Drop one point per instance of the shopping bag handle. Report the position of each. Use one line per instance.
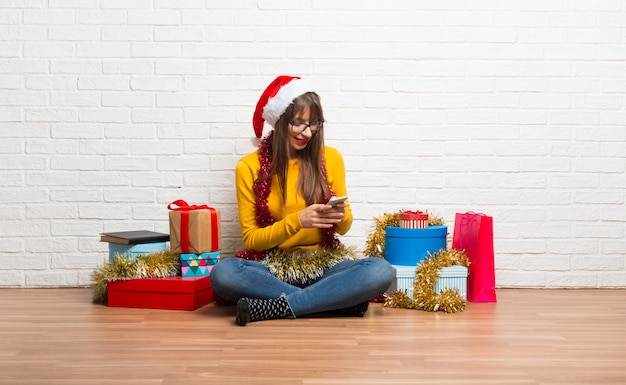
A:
(465, 221)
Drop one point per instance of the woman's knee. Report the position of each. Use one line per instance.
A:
(223, 272)
(382, 271)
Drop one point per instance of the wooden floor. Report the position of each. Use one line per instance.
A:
(57, 336)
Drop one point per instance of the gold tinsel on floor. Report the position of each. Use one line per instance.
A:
(152, 265)
(426, 275)
(306, 266)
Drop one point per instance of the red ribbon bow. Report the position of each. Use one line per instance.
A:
(414, 214)
(185, 209)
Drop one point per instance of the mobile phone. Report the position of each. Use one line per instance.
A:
(334, 201)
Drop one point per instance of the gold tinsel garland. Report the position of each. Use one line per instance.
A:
(153, 265)
(305, 266)
(426, 275)
(375, 243)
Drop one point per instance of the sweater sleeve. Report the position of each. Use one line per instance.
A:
(255, 237)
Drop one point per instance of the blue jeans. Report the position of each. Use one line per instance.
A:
(346, 284)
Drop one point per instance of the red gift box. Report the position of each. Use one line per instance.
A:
(173, 293)
(413, 220)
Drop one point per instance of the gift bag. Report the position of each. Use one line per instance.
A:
(474, 233)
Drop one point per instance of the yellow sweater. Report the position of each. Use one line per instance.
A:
(287, 232)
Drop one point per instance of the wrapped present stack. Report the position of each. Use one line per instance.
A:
(195, 233)
(429, 276)
(407, 244)
(195, 238)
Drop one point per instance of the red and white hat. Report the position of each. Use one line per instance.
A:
(275, 100)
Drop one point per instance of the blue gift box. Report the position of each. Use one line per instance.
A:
(407, 247)
(405, 276)
(452, 277)
(198, 265)
(132, 251)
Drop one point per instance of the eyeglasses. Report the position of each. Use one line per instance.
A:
(300, 127)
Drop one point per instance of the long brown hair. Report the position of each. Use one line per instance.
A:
(311, 182)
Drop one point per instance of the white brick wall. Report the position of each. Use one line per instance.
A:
(111, 109)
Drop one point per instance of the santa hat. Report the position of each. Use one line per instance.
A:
(275, 100)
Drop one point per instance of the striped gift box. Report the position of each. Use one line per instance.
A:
(452, 277)
(413, 220)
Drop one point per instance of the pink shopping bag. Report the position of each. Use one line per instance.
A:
(474, 233)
